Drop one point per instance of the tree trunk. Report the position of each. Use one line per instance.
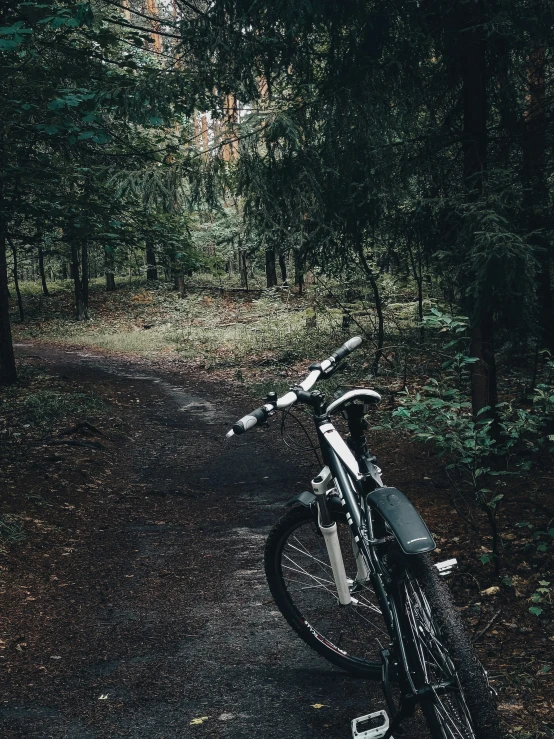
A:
(109, 270)
(378, 307)
(16, 281)
(84, 278)
(270, 271)
(474, 95)
(243, 268)
(8, 373)
(64, 271)
(536, 192)
(483, 378)
(283, 267)
(151, 266)
(299, 272)
(417, 271)
(42, 272)
(474, 138)
(79, 307)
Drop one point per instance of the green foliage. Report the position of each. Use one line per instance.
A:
(542, 595)
(91, 137)
(440, 412)
(45, 408)
(11, 531)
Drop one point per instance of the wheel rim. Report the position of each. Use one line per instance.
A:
(356, 632)
(450, 711)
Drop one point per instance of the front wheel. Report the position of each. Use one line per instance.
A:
(460, 704)
(301, 581)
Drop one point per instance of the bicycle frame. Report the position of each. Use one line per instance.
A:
(355, 489)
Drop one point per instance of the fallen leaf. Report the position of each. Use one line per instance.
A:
(196, 721)
(491, 591)
(103, 697)
(318, 705)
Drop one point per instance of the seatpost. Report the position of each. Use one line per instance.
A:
(357, 441)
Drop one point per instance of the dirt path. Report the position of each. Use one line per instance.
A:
(147, 607)
(143, 605)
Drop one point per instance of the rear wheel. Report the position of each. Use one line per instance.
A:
(301, 581)
(441, 653)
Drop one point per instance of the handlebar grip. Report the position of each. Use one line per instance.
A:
(249, 421)
(347, 347)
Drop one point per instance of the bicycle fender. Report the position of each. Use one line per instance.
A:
(308, 499)
(403, 519)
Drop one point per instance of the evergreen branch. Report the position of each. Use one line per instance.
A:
(149, 31)
(152, 18)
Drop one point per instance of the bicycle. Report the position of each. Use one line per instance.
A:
(348, 566)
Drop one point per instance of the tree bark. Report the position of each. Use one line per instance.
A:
(417, 271)
(378, 307)
(270, 271)
(109, 270)
(283, 267)
(80, 313)
(474, 94)
(84, 278)
(474, 143)
(42, 272)
(243, 268)
(8, 372)
(483, 379)
(16, 281)
(151, 266)
(299, 272)
(536, 191)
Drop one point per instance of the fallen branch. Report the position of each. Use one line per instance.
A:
(75, 442)
(81, 426)
(487, 627)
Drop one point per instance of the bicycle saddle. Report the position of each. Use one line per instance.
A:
(361, 393)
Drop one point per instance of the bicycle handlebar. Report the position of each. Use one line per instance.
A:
(260, 415)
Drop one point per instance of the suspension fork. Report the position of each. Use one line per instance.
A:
(365, 550)
(328, 528)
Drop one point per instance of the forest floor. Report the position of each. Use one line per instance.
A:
(131, 543)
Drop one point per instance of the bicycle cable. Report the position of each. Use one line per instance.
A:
(291, 444)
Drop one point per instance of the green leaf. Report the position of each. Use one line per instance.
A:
(542, 547)
(485, 558)
(102, 138)
(483, 410)
(535, 610)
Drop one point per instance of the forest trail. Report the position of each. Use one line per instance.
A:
(156, 611)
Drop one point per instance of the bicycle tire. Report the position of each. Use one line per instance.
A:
(304, 592)
(440, 649)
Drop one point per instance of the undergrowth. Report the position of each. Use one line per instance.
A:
(11, 531)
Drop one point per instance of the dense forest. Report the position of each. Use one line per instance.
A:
(405, 139)
(383, 168)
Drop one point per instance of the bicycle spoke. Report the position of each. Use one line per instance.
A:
(436, 665)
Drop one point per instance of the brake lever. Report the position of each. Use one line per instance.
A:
(336, 368)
